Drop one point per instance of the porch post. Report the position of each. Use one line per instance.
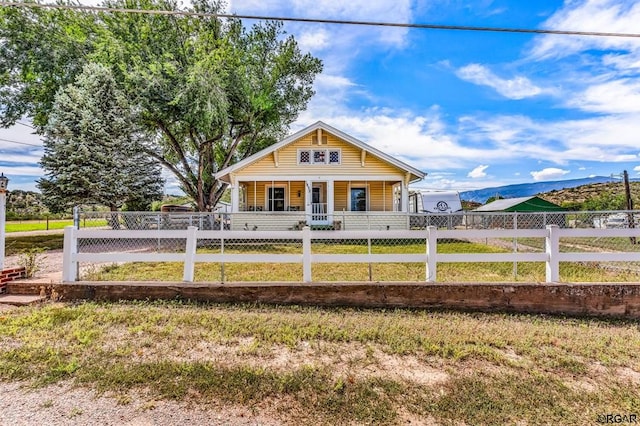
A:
(404, 197)
(307, 201)
(330, 201)
(235, 196)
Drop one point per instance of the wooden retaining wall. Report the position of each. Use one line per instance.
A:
(585, 299)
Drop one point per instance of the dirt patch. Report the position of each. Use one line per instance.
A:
(629, 374)
(63, 404)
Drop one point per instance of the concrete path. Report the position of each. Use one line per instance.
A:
(20, 299)
(33, 233)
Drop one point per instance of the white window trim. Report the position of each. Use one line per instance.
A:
(329, 157)
(266, 195)
(366, 194)
(298, 157)
(327, 153)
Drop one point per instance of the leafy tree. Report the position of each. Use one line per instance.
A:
(41, 51)
(209, 91)
(92, 153)
(606, 201)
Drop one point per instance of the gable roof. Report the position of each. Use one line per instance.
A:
(418, 174)
(520, 204)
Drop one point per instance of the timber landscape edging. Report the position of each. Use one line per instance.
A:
(621, 300)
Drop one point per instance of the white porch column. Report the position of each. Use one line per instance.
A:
(404, 197)
(307, 200)
(235, 196)
(330, 201)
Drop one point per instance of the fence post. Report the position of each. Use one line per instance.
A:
(70, 248)
(306, 254)
(190, 254)
(76, 217)
(552, 248)
(432, 244)
(369, 253)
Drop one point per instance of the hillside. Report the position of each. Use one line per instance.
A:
(25, 204)
(530, 189)
(612, 192)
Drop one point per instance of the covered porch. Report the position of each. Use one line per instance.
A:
(314, 202)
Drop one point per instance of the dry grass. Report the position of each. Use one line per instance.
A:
(335, 366)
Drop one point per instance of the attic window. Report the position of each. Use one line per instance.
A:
(319, 156)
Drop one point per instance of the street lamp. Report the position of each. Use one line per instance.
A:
(4, 181)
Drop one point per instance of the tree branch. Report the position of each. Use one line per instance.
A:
(187, 185)
(175, 145)
(232, 150)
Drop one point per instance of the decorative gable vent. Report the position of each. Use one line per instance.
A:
(314, 140)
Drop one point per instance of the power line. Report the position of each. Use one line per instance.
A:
(25, 125)
(20, 143)
(323, 21)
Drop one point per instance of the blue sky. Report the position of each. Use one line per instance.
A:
(472, 109)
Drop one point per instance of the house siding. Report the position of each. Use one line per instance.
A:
(350, 164)
(256, 194)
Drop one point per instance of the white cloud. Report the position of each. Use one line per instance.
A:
(615, 16)
(21, 134)
(354, 10)
(612, 97)
(478, 172)
(517, 88)
(548, 174)
(314, 40)
(20, 170)
(636, 169)
(623, 62)
(603, 139)
(420, 140)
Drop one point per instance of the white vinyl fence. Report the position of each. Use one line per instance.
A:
(88, 245)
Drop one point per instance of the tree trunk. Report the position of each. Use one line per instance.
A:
(113, 219)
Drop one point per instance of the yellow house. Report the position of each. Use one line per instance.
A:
(317, 176)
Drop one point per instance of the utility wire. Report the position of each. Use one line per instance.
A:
(25, 125)
(322, 21)
(20, 143)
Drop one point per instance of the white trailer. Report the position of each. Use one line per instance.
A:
(435, 208)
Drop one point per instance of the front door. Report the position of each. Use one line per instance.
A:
(318, 204)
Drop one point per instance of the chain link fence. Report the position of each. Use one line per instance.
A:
(383, 270)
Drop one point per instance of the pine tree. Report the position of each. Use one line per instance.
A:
(93, 153)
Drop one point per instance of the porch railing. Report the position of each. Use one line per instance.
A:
(319, 212)
(351, 220)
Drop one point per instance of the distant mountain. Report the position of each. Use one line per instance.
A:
(530, 189)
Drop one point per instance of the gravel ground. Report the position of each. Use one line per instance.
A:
(61, 405)
(50, 262)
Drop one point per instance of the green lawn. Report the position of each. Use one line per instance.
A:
(42, 225)
(22, 244)
(37, 225)
(304, 365)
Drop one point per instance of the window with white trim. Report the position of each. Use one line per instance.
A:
(358, 199)
(319, 156)
(276, 198)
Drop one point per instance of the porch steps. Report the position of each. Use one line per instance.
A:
(20, 299)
